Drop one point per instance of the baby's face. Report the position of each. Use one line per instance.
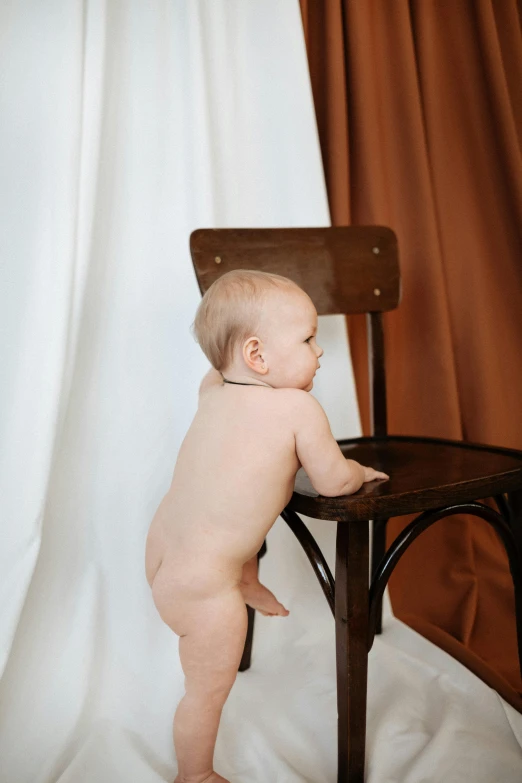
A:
(288, 328)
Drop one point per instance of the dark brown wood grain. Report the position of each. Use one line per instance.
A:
(515, 517)
(378, 537)
(351, 633)
(379, 418)
(349, 269)
(424, 473)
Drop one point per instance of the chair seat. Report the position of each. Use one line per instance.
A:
(424, 473)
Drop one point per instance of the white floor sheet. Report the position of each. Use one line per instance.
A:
(124, 126)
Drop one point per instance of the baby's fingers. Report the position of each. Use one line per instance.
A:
(371, 475)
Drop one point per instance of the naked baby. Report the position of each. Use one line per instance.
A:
(255, 426)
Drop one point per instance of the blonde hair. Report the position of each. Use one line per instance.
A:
(230, 311)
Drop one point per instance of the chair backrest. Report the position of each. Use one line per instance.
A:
(344, 270)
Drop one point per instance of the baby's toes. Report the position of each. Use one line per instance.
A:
(282, 612)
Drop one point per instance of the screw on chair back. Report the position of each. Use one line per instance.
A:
(344, 270)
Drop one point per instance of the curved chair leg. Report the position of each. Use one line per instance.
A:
(378, 552)
(428, 518)
(246, 658)
(351, 633)
(313, 553)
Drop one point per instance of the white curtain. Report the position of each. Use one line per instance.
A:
(124, 125)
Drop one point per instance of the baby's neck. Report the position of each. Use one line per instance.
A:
(242, 378)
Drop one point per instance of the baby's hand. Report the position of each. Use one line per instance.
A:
(370, 474)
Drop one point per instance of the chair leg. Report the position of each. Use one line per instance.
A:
(247, 651)
(351, 631)
(515, 523)
(378, 552)
(515, 520)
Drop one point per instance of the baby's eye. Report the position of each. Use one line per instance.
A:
(309, 338)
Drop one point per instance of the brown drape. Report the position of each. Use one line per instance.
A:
(419, 110)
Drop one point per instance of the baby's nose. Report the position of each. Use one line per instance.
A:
(319, 351)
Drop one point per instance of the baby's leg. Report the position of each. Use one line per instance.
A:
(257, 595)
(250, 571)
(210, 654)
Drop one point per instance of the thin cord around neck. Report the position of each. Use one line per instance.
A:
(240, 383)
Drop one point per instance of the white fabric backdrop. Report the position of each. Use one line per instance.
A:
(123, 126)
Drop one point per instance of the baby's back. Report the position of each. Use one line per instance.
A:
(234, 474)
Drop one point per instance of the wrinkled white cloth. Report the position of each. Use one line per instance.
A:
(124, 126)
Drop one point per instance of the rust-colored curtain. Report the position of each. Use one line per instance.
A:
(419, 110)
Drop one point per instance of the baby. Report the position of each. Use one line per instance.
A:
(255, 426)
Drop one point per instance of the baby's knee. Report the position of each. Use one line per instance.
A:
(215, 689)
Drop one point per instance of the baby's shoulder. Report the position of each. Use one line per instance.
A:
(290, 397)
(295, 403)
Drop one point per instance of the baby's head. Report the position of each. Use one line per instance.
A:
(259, 325)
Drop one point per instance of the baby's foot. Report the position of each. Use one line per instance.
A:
(213, 778)
(259, 597)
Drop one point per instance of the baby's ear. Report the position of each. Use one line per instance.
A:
(253, 355)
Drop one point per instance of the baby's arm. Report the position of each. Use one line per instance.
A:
(329, 471)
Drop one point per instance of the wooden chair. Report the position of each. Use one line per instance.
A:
(354, 270)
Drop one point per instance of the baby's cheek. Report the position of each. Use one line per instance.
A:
(306, 380)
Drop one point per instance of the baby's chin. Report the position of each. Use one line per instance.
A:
(297, 385)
